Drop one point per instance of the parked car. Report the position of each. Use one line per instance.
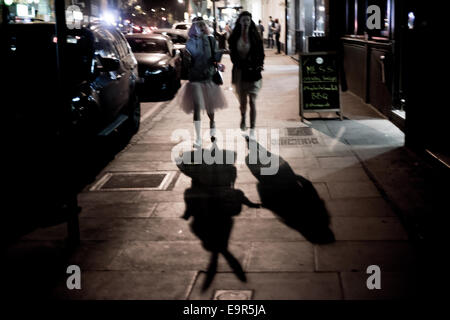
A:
(178, 36)
(187, 25)
(181, 25)
(46, 138)
(159, 64)
(101, 73)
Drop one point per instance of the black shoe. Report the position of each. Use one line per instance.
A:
(243, 126)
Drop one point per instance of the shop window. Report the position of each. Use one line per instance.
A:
(384, 6)
(319, 18)
(361, 16)
(357, 16)
(350, 17)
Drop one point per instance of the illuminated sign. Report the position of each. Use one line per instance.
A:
(23, 10)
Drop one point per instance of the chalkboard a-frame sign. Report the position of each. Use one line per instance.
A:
(319, 83)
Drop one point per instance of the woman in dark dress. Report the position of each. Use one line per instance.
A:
(247, 55)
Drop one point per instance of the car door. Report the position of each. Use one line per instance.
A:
(129, 66)
(107, 83)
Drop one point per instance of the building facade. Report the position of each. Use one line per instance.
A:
(44, 10)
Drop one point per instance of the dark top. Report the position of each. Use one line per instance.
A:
(255, 57)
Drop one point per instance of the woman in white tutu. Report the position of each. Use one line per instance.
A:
(201, 93)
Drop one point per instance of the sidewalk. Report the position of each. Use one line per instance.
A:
(135, 245)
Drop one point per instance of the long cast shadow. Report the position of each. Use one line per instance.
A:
(290, 196)
(212, 202)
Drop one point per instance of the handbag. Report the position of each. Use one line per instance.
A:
(217, 76)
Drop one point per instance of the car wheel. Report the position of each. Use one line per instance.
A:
(134, 116)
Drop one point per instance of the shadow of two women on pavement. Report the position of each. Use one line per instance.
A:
(290, 196)
(211, 203)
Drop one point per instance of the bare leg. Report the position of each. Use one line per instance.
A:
(212, 127)
(243, 107)
(211, 120)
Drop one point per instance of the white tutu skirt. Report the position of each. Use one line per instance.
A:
(205, 94)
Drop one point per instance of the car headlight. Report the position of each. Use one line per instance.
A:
(152, 72)
(157, 71)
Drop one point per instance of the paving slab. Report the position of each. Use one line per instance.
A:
(359, 207)
(118, 210)
(368, 228)
(274, 286)
(263, 230)
(172, 256)
(95, 255)
(337, 150)
(338, 174)
(354, 189)
(165, 156)
(169, 210)
(281, 256)
(113, 229)
(105, 197)
(133, 166)
(339, 162)
(358, 255)
(150, 229)
(394, 286)
(129, 285)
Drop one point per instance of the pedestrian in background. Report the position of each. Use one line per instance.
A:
(261, 29)
(228, 30)
(277, 32)
(227, 34)
(201, 93)
(247, 55)
(270, 27)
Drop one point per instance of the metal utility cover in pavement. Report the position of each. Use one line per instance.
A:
(301, 131)
(134, 181)
(295, 141)
(233, 295)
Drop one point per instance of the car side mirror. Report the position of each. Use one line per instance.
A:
(110, 64)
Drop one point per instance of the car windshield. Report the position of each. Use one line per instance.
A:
(142, 45)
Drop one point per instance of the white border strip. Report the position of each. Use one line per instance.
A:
(162, 186)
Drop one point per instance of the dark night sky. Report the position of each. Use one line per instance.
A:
(171, 6)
